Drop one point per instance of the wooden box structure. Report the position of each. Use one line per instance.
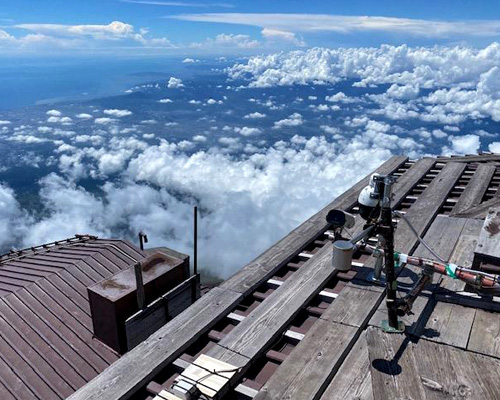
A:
(113, 300)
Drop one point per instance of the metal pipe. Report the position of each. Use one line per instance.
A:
(143, 238)
(387, 231)
(195, 251)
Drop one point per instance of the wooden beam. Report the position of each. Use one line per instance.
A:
(475, 190)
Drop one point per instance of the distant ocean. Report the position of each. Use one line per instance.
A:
(26, 82)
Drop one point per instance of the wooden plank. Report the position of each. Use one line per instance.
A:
(425, 370)
(251, 336)
(485, 334)
(463, 254)
(475, 190)
(137, 367)
(352, 306)
(394, 371)
(467, 159)
(450, 324)
(481, 210)
(145, 322)
(265, 265)
(488, 245)
(353, 379)
(307, 370)
(425, 209)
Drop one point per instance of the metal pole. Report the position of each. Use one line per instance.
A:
(195, 252)
(387, 229)
(141, 297)
(143, 238)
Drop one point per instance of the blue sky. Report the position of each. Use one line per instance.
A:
(55, 27)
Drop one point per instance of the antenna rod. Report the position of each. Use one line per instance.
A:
(195, 252)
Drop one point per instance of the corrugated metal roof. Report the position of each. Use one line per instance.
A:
(47, 345)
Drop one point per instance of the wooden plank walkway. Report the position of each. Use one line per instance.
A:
(302, 374)
(401, 369)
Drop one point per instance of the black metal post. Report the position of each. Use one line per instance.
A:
(195, 251)
(143, 238)
(387, 231)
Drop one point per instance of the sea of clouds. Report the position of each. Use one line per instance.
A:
(251, 194)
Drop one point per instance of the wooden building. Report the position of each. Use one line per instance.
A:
(66, 307)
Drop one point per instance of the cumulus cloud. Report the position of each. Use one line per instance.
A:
(77, 37)
(174, 83)
(255, 115)
(293, 120)
(105, 121)
(117, 113)
(165, 101)
(465, 144)
(279, 35)
(84, 116)
(247, 131)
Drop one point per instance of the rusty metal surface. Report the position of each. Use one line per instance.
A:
(47, 349)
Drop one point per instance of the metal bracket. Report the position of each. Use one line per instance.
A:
(389, 329)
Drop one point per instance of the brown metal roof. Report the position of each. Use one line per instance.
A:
(47, 346)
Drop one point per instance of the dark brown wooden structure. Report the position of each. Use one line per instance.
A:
(48, 346)
(294, 327)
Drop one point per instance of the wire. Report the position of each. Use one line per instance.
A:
(421, 240)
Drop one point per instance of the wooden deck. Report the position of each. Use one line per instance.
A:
(294, 327)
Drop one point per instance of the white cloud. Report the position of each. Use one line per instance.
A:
(190, 61)
(4, 122)
(494, 147)
(255, 115)
(54, 113)
(174, 83)
(279, 35)
(228, 40)
(117, 113)
(293, 120)
(465, 144)
(247, 131)
(349, 24)
(165, 101)
(105, 121)
(84, 116)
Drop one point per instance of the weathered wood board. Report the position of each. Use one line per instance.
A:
(353, 379)
(402, 369)
(485, 333)
(251, 336)
(475, 190)
(145, 322)
(308, 369)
